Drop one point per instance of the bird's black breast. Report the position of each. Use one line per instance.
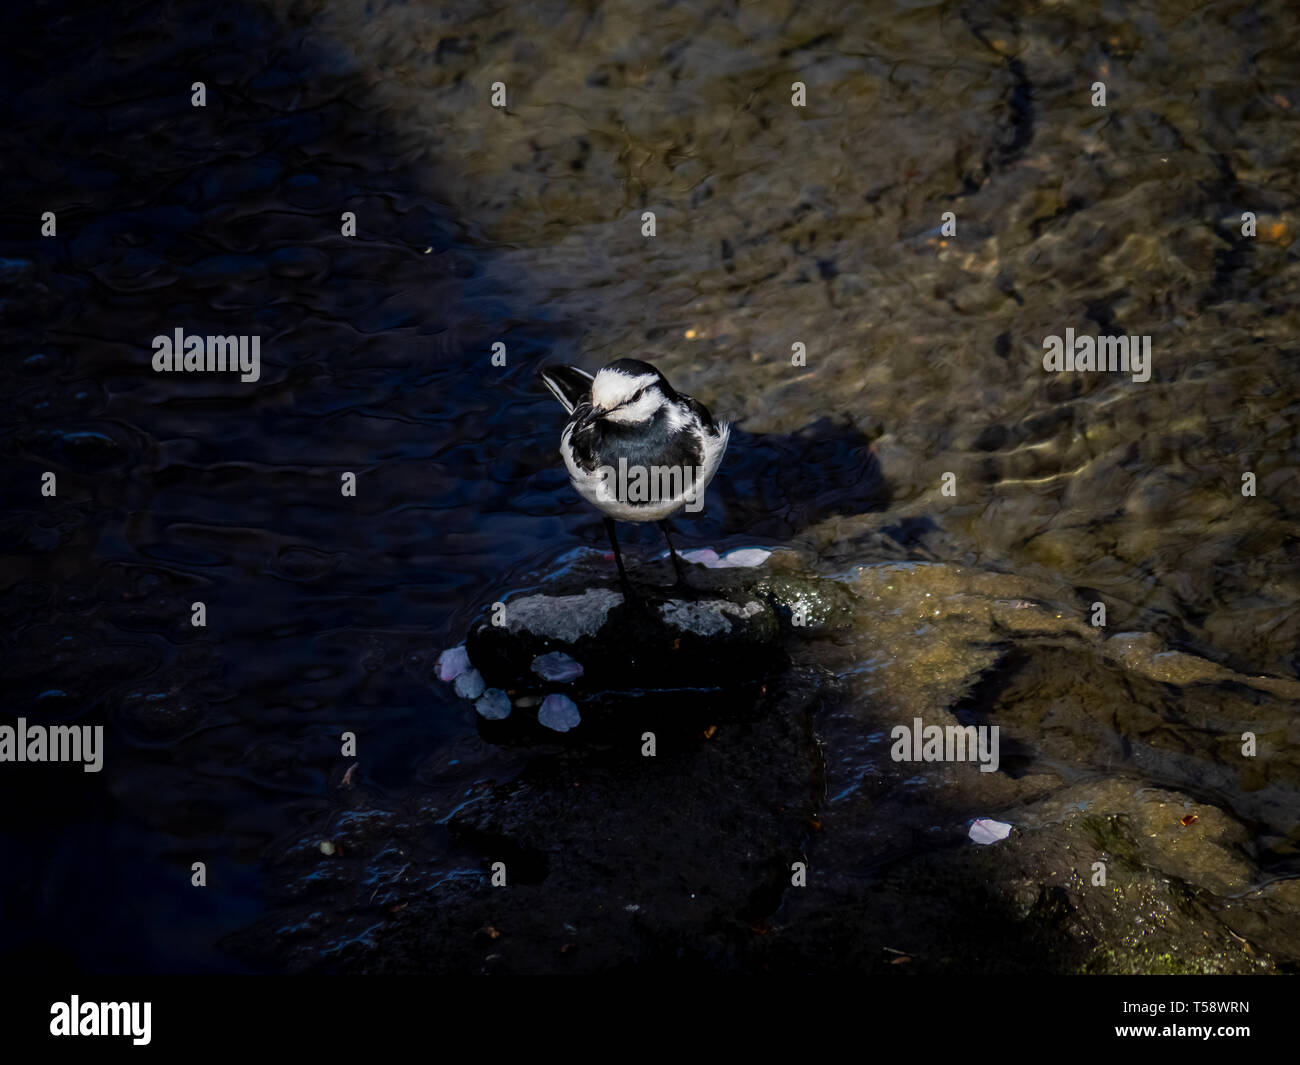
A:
(648, 444)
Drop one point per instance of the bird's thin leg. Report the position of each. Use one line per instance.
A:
(618, 557)
(677, 562)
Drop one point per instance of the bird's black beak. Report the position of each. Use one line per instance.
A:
(593, 414)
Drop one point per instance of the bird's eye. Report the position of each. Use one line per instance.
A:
(638, 394)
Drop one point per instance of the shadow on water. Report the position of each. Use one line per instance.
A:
(323, 612)
(321, 609)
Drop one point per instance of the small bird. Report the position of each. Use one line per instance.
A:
(635, 447)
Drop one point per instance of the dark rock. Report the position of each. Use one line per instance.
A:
(676, 654)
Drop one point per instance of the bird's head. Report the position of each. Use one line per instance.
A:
(628, 392)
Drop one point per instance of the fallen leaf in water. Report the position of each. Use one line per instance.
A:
(1190, 819)
(709, 732)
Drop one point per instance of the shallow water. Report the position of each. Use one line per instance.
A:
(775, 225)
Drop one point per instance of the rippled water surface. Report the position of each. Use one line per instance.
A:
(775, 226)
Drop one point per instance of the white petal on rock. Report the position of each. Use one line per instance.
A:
(470, 685)
(453, 662)
(746, 556)
(741, 556)
(493, 704)
(556, 665)
(982, 830)
(559, 712)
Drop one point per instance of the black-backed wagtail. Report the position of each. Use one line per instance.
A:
(635, 447)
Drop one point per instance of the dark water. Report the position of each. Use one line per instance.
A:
(325, 613)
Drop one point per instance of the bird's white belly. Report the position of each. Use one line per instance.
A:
(622, 511)
(610, 500)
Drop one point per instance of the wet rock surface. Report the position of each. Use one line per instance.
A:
(773, 829)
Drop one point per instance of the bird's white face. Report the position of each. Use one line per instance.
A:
(625, 398)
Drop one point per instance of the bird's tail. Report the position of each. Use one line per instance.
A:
(568, 384)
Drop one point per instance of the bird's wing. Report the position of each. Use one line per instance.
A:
(568, 384)
(699, 410)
